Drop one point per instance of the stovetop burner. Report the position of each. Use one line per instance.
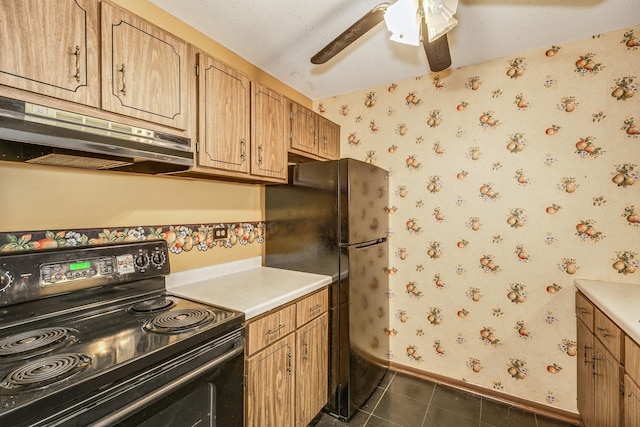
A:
(44, 371)
(34, 343)
(150, 306)
(179, 320)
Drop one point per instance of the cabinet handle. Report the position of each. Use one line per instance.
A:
(77, 55)
(603, 332)
(586, 359)
(289, 363)
(314, 138)
(583, 310)
(314, 308)
(276, 329)
(243, 150)
(260, 154)
(124, 82)
(305, 350)
(324, 143)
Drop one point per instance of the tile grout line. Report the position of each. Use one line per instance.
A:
(381, 396)
(429, 403)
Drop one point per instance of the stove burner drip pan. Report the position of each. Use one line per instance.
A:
(34, 343)
(43, 372)
(179, 321)
(153, 305)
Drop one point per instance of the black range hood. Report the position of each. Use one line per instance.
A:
(39, 134)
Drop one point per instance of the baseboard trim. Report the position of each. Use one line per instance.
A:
(538, 408)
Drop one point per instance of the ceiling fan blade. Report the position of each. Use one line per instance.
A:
(351, 34)
(437, 51)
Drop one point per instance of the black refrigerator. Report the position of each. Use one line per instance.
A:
(330, 219)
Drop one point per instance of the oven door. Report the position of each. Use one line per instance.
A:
(203, 387)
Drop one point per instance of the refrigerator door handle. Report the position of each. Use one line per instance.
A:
(364, 245)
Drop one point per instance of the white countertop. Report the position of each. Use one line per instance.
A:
(619, 301)
(244, 285)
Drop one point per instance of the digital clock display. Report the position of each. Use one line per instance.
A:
(82, 265)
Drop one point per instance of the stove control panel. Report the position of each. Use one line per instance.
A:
(137, 263)
(30, 275)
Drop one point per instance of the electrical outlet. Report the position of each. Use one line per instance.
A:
(219, 232)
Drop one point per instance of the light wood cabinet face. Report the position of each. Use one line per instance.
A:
(312, 369)
(144, 70)
(585, 376)
(51, 47)
(311, 306)
(269, 136)
(632, 358)
(303, 129)
(270, 381)
(607, 379)
(269, 329)
(609, 333)
(224, 116)
(584, 310)
(329, 139)
(631, 403)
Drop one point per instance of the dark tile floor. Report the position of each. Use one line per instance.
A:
(406, 401)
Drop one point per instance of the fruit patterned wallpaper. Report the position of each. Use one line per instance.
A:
(509, 179)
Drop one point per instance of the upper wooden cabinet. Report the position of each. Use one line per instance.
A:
(144, 70)
(269, 133)
(312, 135)
(51, 47)
(242, 127)
(328, 139)
(224, 116)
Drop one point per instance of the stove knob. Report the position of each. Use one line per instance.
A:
(142, 260)
(5, 280)
(158, 258)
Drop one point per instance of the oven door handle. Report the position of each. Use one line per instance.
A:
(137, 405)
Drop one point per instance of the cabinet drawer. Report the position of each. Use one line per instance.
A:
(311, 307)
(270, 329)
(584, 310)
(609, 334)
(632, 358)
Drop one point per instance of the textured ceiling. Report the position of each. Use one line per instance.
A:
(280, 36)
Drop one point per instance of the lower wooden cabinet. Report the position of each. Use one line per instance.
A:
(600, 371)
(585, 374)
(286, 364)
(607, 398)
(631, 402)
(270, 385)
(312, 364)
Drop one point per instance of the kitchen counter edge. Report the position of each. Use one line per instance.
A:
(619, 301)
(245, 286)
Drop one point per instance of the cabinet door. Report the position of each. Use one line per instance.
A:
(303, 135)
(585, 375)
(144, 70)
(607, 385)
(224, 114)
(631, 403)
(51, 47)
(312, 363)
(270, 382)
(269, 136)
(329, 139)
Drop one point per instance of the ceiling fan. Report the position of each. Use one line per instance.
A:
(410, 22)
